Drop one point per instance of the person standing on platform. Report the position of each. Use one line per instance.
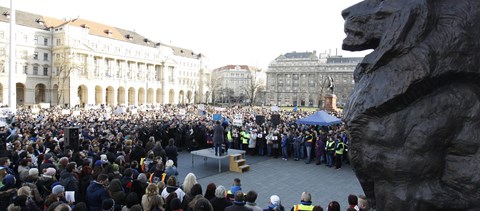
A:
(218, 138)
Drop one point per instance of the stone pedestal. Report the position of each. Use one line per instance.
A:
(330, 102)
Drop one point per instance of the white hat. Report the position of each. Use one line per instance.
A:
(33, 171)
(275, 200)
(51, 171)
(169, 163)
(103, 157)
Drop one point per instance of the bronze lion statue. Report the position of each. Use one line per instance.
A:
(414, 114)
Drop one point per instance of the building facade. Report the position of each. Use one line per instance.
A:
(81, 62)
(304, 78)
(236, 83)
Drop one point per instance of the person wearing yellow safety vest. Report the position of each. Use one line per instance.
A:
(339, 153)
(244, 137)
(330, 149)
(305, 203)
(229, 138)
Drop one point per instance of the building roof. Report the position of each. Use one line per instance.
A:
(344, 60)
(232, 67)
(299, 55)
(23, 18)
(96, 29)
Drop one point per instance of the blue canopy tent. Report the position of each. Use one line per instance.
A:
(320, 118)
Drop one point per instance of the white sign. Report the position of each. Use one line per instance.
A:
(65, 111)
(76, 113)
(220, 109)
(275, 108)
(182, 112)
(237, 122)
(44, 105)
(201, 107)
(133, 111)
(35, 110)
(237, 116)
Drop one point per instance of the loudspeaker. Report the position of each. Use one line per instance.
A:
(276, 119)
(71, 138)
(259, 119)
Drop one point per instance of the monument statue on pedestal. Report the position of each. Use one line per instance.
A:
(414, 114)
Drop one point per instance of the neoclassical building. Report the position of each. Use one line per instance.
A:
(235, 82)
(303, 78)
(81, 62)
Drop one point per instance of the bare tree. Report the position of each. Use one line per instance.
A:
(215, 86)
(65, 64)
(253, 85)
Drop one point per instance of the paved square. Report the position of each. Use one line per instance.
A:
(269, 176)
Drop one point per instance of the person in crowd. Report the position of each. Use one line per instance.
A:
(192, 196)
(176, 205)
(202, 204)
(317, 208)
(150, 197)
(238, 203)
(333, 206)
(19, 204)
(297, 141)
(261, 141)
(362, 203)
(236, 186)
(168, 201)
(7, 191)
(188, 182)
(218, 138)
(308, 146)
(172, 187)
(116, 192)
(284, 145)
(250, 199)
(69, 180)
(171, 151)
(210, 191)
(330, 149)
(319, 149)
(97, 192)
(170, 169)
(305, 203)
(220, 202)
(130, 201)
(353, 202)
(275, 204)
(339, 150)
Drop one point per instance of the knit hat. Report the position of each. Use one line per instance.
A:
(275, 200)
(51, 171)
(58, 189)
(103, 157)
(98, 162)
(33, 172)
(9, 180)
(169, 163)
(142, 177)
(47, 156)
(107, 204)
(115, 167)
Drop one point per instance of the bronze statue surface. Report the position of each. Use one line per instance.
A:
(414, 114)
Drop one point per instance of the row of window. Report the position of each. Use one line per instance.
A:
(37, 40)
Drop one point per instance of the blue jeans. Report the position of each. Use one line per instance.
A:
(308, 147)
(296, 151)
(261, 151)
(329, 159)
(284, 152)
(218, 149)
(302, 151)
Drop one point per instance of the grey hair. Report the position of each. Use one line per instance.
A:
(220, 191)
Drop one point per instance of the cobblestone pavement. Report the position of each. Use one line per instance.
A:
(268, 176)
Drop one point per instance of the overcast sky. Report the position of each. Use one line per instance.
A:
(240, 32)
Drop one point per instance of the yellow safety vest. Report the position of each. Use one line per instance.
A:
(303, 207)
(229, 136)
(339, 151)
(246, 137)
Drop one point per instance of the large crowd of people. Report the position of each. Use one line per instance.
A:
(126, 158)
